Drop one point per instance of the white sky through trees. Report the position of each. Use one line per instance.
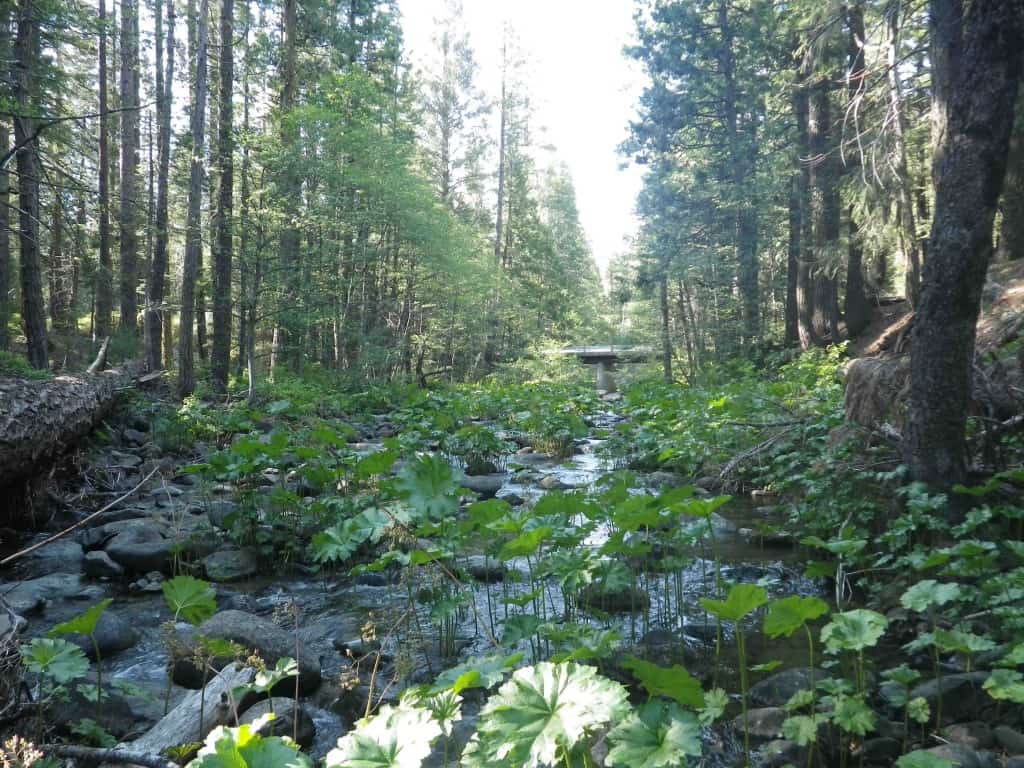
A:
(583, 89)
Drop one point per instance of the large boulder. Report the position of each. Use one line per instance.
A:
(960, 696)
(485, 486)
(141, 549)
(113, 635)
(255, 634)
(31, 596)
(62, 556)
(762, 723)
(230, 565)
(283, 723)
(98, 565)
(776, 690)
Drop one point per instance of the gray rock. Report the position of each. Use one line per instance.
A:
(31, 596)
(283, 723)
(976, 735)
(485, 568)
(961, 695)
(135, 437)
(116, 714)
(781, 752)
(1009, 739)
(152, 582)
(776, 690)
(98, 565)
(141, 549)
(220, 512)
(513, 499)
(485, 486)
(763, 723)
(1015, 762)
(113, 635)
(253, 633)
(963, 757)
(10, 624)
(552, 483)
(62, 556)
(230, 565)
(624, 600)
(882, 750)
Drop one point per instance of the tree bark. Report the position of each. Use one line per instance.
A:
(33, 308)
(978, 122)
(856, 307)
(194, 234)
(792, 320)
(945, 27)
(129, 243)
(220, 357)
(804, 284)
(666, 329)
(104, 271)
(824, 209)
(907, 221)
(1011, 227)
(41, 419)
(156, 283)
(5, 181)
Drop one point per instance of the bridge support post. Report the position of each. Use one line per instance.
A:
(605, 377)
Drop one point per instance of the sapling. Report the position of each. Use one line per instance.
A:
(86, 624)
(743, 599)
(925, 597)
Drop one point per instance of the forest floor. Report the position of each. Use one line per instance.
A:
(406, 543)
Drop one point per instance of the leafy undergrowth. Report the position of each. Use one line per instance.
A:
(917, 595)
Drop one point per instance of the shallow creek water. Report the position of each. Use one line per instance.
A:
(334, 608)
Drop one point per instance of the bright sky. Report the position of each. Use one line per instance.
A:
(584, 91)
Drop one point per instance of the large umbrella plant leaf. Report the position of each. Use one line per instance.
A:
(657, 735)
(393, 738)
(542, 713)
(742, 600)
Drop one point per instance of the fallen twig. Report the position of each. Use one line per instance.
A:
(80, 523)
(107, 755)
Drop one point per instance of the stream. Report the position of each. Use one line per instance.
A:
(334, 608)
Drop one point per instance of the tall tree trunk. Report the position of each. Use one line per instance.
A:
(1011, 228)
(155, 285)
(128, 219)
(105, 269)
(792, 320)
(220, 357)
(243, 219)
(33, 308)
(907, 224)
(745, 210)
(291, 185)
(194, 233)
(60, 273)
(804, 275)
(502, 138)
(666, 328)
(945, 40)
(824, 209)
(5, 229)
(856, 306)
(979, 119)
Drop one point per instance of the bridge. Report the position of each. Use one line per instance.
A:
(604, 358)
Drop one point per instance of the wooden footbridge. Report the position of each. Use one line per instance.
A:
(604, 358)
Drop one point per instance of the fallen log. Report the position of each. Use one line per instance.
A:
(197, 714)
(39, 420)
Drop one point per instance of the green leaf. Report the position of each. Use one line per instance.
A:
(928, 593)
(480, 672)
(525, 544)
(1005, 685)
(83, 623)
(373, 464)
(243, 747)
(921, 758)
(520, 627)
(919, 710)
(268, 678)
(803, 729)
(429, 484)
(715, 703)
(673, 682)
(786, 616)
(658, 735)
(853, 715)
(56, 659)
(190, 598)
(853, 630)
(541, 711)
(902, 675)
(742, 600)
(393, 738)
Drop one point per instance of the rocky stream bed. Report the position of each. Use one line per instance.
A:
(321, 618)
